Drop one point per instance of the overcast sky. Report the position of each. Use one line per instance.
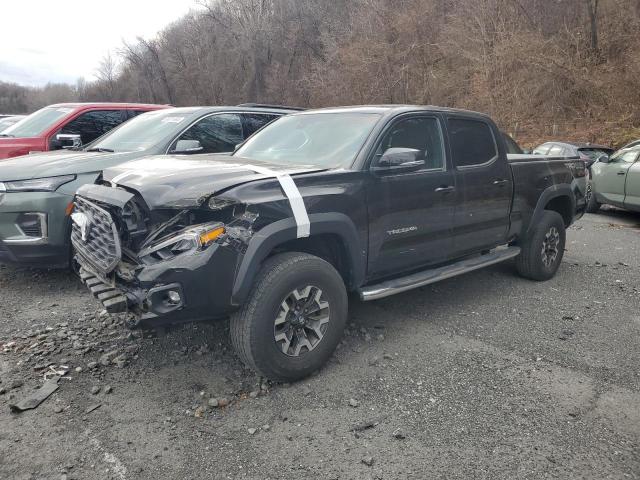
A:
(61, 40)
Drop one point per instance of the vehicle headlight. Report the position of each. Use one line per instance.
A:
(189, 240)
(46, 184)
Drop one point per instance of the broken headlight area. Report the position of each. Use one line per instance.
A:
(188, 241)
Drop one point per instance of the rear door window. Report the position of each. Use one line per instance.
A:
(556, 150)
(472, 142)
(216, 133)
(542, 149)
(252, 122)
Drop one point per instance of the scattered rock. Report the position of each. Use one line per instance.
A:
(95, 390)
(374, 361)
(92, 365)
(566, 334)
(200, 411)
(305, 390)
(398, 434)
(223, 402)
(58, 409)
(213, 402)
(354, 403)
(252, 431)
(266, 428)
(387, 356)
(368, 461)
(121, 360)
(108, 389)
(78, 369)
(93, 407)
(15, 384)
(105, 359)
(254, 394)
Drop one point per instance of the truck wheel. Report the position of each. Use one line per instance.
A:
(592, 204)
(542, 252)
(293, 318)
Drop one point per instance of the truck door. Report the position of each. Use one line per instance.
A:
(410, 211)
(484, 186)
(610, 178)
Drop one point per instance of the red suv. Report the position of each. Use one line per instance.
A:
(66, 125)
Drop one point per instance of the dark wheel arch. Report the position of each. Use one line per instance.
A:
(278, 234)
(557, 198)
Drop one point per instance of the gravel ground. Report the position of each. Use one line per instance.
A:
(481, 376)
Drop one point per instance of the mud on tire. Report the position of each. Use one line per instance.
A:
(293, 318)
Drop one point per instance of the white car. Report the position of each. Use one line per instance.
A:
(615, 180)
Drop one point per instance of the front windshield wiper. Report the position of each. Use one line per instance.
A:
(100, 149)
(6, 135)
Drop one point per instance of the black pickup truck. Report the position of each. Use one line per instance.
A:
(377, 200)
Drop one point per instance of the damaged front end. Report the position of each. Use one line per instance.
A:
(158, 263)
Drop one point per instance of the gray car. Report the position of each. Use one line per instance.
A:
(36, 191)
(588, 152)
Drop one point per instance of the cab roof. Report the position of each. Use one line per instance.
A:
(106, 104)
(393, 110)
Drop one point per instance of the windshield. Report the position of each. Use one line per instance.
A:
(37, 123)
(7, 122)
(594, 153)
(320, 139)
(142, 132)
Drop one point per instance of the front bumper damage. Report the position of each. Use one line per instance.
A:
(189, 287)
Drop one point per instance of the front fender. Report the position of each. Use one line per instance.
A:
(282, 231)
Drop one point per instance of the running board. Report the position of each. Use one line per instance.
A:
(426, 277)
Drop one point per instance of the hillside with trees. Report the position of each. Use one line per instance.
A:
(542, 68)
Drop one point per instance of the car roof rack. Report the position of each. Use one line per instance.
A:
(265, 105)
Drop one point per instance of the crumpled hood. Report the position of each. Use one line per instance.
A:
(60, 162)
(181, 181)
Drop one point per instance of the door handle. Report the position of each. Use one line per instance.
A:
(500, 181)
(622, 173)
(446, 189)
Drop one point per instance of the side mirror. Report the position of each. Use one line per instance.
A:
(187, 146)
(604, 158)
(396, 160)
(69, 140)
(527, 151)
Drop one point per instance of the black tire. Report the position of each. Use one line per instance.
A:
(592, 204)
(536, 261)
(253, 328)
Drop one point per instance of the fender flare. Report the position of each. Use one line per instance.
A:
(277, 233)
(554, 191)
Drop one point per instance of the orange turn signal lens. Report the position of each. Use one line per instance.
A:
(69, 210)
(207, 237)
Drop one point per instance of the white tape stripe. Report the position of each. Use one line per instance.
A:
(297, 205)
(295, 199)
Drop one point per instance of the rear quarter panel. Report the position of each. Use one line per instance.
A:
(539, 180)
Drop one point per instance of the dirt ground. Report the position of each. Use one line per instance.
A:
(481, 376)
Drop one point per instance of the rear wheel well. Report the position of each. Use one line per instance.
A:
(327, 246)
(563, 206)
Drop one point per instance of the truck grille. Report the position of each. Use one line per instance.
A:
(101, 244)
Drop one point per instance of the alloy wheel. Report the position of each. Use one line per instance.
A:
(550, 247)
(302, 321)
